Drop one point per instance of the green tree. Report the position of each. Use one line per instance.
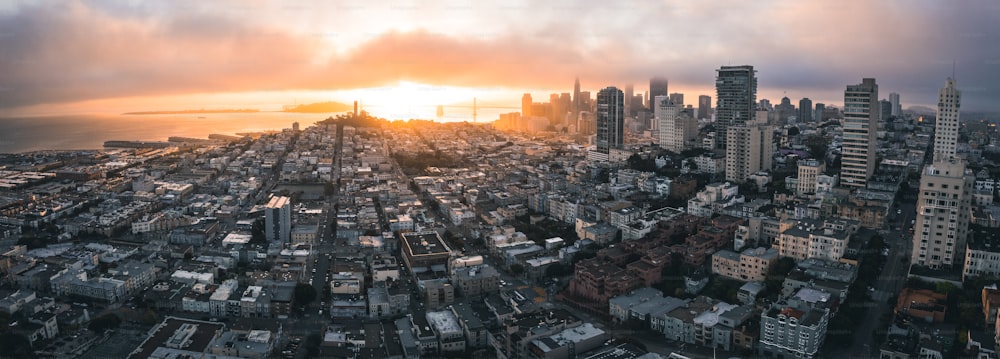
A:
(516, 269)
(15, 346)
(304, 294)
(817, 146)
(104, 322)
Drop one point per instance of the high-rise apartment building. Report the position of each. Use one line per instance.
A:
(946, 127)
(820, 109)
(704, 106)
(942, 222)
(736, 99)
(805, 110)
(894, 100)
(278, 219)
(676, 125)
(657, 87)
(749, 150)
(610, 119)
(884, 112)
(809, 171)
(860, 122)
(526, 105)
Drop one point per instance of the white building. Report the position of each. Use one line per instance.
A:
(943, 211)
(278, 219)
(816, 239)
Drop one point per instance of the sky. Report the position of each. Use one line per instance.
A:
(108, 55)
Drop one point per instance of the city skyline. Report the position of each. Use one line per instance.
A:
(73, 57)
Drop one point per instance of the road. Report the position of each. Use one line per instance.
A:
(889, 283)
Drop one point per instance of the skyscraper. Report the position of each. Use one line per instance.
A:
(676, 125)
(894, 99)
(736, 99)
(884, 112)
(785, 110)
(942, 221)
(278, 219)
(946, 127)
(704, 106)
(610, 119)
(677, 99)
(805, 110)
(526, 105)
(820, 109)
(566, 105)
(628, 100)
(576, 98)
(657, 87)
(860, 121)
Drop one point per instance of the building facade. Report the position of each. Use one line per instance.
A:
(943, 210)
(860, 124)
(610, 119)
(946, 125)
(748, 151)
(736, 99)
(278, 219)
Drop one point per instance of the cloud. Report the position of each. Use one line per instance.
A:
(77, 51)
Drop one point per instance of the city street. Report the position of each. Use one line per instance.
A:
(890, 282)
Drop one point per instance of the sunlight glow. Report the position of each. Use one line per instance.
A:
(408, 100)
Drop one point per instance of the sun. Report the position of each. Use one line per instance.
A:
(407, 100)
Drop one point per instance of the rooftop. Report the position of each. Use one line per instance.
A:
(425, 243)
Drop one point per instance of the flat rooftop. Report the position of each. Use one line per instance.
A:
(199, 341)
(425, 243)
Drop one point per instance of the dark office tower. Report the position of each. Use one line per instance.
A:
(628, 100)
(820, 109)
(704, 106)
(861, 111)
(885, 111)
(554, 109)
(677, 99)
(784, 110)
(805, 110)
(576, 97)
(657, 87)
(526, 105)
(736, 99)
(610, 119)
(567, 107)
(637, 104)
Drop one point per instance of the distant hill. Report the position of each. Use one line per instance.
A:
(193, 112)
(922, 110)
(320, 107)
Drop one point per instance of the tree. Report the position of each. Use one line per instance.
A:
(304, 294)
(636, 162)
(15, 346)
(104, 322)
(257, 232)
(793, 131)
(516, 269)
(558, 270)
(817, 146)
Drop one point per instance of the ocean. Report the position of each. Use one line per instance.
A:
(87, 132)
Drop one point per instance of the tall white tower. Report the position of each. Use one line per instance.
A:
(946, 129)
